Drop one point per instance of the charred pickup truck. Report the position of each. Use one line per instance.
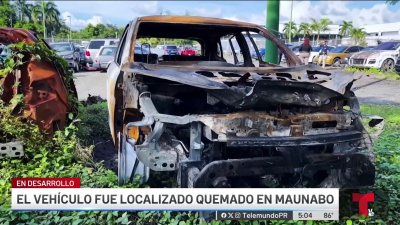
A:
(221, 119)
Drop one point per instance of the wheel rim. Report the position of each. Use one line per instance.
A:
(388, 65)
(336, 62)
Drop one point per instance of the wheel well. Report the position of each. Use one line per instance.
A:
(387, 59)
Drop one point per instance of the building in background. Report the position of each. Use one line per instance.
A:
(375, 32)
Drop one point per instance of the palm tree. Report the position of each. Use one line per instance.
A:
(24, 10)
(358, 35)
(320, 26)
(51, 16)
(305, 29)
(345, 28)
(290, 29)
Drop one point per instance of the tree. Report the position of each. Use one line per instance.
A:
(320, 26)
(290, 29)
(51, 15)
(7, 14)
(345, 28)
(358, 35)
(305, 29)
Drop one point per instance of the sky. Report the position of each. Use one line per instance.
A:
(121, 12)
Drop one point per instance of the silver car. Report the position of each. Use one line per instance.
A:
(104, 57)
(94, 48)
(69, 52)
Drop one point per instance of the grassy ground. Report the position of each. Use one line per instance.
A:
(58, 158)
(392, 75)
(387, 154)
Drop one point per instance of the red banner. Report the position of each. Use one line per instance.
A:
(46, 182)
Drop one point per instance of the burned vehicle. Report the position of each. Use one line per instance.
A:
(222, 119)
(41, 83)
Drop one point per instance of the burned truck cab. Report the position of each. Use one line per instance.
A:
(224, 119)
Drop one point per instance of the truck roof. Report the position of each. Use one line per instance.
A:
(194, 20)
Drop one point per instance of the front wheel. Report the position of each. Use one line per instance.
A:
(387, 65)
(76, 67)
(128, 164)
(336, 62)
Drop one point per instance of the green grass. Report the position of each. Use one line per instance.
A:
(391, 75)
(387, 154)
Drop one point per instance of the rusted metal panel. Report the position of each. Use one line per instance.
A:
(41, 83)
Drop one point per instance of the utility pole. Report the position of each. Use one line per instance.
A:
(44, 21)
(69, 36)
(272, 25)
(290, 23)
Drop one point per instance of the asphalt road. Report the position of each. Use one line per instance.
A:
(91, 82)
(368, 89)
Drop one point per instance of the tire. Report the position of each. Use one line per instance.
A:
(387, 65)
(128, 163)
(336, 61)
(76, 67)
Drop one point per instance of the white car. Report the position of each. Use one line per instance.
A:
(381, 57)
(94, 47)
(104, 57)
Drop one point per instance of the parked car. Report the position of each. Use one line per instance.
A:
(188, 51)
(94, 47)
(369, 48)
(336, 56)
(171, 50)
(383, 56)
(261, 51)
(315, 53)
(220, 123)
(295, 50)
(104, 57)
(82, 58)
(70, 52)
(397, 65)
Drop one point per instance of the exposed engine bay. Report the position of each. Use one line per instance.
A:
(236, 131)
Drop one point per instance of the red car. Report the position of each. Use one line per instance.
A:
(188, 52)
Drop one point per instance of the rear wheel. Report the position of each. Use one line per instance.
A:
(336, 61)
(387, 65)
(76, 67)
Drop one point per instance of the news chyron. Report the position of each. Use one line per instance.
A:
(40, 194)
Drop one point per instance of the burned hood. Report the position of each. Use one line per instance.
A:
(249, 87)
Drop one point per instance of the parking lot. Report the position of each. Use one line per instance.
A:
(368, 89)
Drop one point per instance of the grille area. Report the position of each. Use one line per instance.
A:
(358, 61)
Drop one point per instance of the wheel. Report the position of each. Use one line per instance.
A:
(387, 65)
(336, 61)
(128, 162)
(76, 67)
